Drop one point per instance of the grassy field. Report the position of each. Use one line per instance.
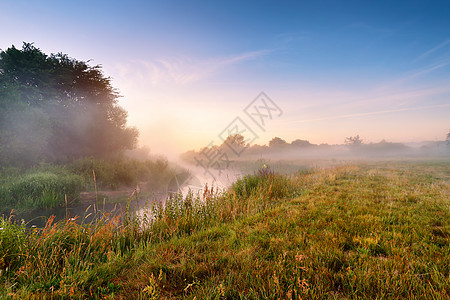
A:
(373, 230)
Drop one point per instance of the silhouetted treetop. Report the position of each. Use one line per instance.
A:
(301, 143)
(277, 142)
(73, 101)
(39, 77)
(353, 141)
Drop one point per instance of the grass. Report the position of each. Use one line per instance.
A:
(358, 231)
(120, 172)
(40, 189)
(48, 186)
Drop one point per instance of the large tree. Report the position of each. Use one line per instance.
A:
(353, 141)
(277, 143)
(54, 107)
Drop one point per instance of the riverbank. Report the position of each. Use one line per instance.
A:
(92, 180)
(376, 230)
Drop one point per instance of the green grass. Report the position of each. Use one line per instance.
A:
(372, 231)
(120, 172)
(48, 186)
(40, 189)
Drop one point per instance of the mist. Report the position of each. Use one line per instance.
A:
(234, 158)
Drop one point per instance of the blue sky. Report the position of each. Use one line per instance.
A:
(186, 69)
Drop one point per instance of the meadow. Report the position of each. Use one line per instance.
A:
(373, 230)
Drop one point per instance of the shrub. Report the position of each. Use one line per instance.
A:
(114, 173)
(265, 182)
(41, 189)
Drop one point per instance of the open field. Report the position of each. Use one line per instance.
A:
(365, 230)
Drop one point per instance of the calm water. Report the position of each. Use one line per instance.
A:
(83, 212)
(140, 203)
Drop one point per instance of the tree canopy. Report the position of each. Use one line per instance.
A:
(353, 140)
(56, 108)
(277, 142)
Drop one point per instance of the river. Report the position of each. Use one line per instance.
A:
(138, 199)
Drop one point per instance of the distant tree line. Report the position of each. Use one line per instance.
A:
(351, 146)
(55, 108)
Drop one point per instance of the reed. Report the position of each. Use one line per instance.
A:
(360, 231)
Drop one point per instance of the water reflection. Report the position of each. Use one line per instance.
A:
(137, 200)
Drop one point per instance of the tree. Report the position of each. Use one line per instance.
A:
(301, 143)
(234, 140)
(234, 143)
(448, 138)
(58, 108)
(353, 141)
(277, 142)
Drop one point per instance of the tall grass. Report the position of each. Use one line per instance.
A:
(68, 251)
(347, 232)
(40, 189)
(48, 186)
(120, 172)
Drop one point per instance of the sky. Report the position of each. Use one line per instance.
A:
(190, 72)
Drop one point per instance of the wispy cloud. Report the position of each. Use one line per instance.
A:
(402, 97)
(184, 70)
(415, 74)
(427, 70)
(368, 99)
(432, 50)
(380, 112)
(360, 104)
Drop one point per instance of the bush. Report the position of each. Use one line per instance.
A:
(113, 174)
(40, 189)
(46, 185)
(264, 182)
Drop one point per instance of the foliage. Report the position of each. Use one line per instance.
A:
(301, 143)
(264, 179)
(353, 140)
(56, 108)
(12, 242)
(368, 231)
(47, 185)
(236, 142)
(277, 142)
(40, 189)
(122, 172)
(297, 149)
